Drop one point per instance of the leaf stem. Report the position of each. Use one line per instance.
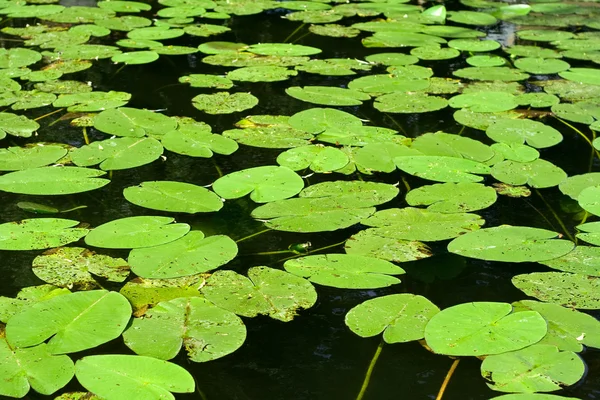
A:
(268, 253)
(396, 123)
(294, 32)
(217, 168)
(367, 378)
(49, 114)
(85, 136)
(313, 251)
(550, 224)
(303, 36)
(556, 216)
(73, 209)
(447, 379)
(406, 185)
(579, 133)
(254, 234)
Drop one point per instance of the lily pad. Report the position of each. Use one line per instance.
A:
(452, 197)
(261, 74)
(282, 49)
(328, 95)
(75, 266)
(519, 131)
(320, 159)
(125, 121)
(484, 101)
(401, 317)
(52, 180)
(538, 173)
(491, 74)
(135, 232)
(135, 57)
(224, 102)
(588, 76)
(189, 255)
(538, 368)
(206, 331)
(16, 125)
(19, 158)
(120, 153)
(264, 184)
(120, 377)
(317, 120)
(369, 243)
(574, 184)
(541, 66)
(92, 101)
(266, 291)
(173, 197)
(207, 81)
(563, 288)
(39, 233)
(73, 322)
(442, 169)
(345, 271)
(483, 328)
(410, 102)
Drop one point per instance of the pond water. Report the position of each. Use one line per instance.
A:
(315, 355)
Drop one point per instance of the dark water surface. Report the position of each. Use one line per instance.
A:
(315, 356)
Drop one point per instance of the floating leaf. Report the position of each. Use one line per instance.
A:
(483, 328)
(538, 173)
(540, 66)
(92, 101)
(73, 267)
(52, 180)
(328, 95)
(442, 169)
(224, 102)
(574, 184)
(195, 139)
(588, 199)
(401, 317)
(277, 137)
(369, 243)
(19, 158)
(16, 125)
(135, 232)
(120, 153)
(317, 120)
(416, 224)
(446, 144)
(484, 101)
(569, 290)
(125, 121)
(588, 76)
(410, 102)
(568, 329)
(511, 244)
(73, 322)
(145, 293)
(121, 377)
(535, 133)
(206, 331)
(173, 197)
(320, 159)
(538, 368)
(452, 197)
(39, 233)
(32, 367)
(345, 271)
(261, 74)
(264, 184)
(188, 255)
(267, 291)
(491, 74)
(282, 49)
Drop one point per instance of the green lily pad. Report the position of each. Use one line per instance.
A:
(482, 121)
(206, 331)
(483, 328)
(120, 153)
(369, 243)
(532, 51)
(33, 367)
(333, 30)
(270, 137)
(474, 45)
(125, 121)
(380, 84)
(516, 152)
(87, 51)
(574, 184)
(379, 156)
(537, 100)
(135, 57)
(16, 125)
(173, 197)
(491, 74)
(328, 95)
(18, 57)
(39, 233)
(401, 317)
(120, 377)
(472, 18)
(19, 158)
(392, 59)
(205, 30)
(266, 291)
(446, 144)
(588, 76)
(154, 33)
(317, 120)
(282, 49)
(563, 288)
(136, 232)
(195, 139)
(26, 297)
(264, 184)
(486, 61)
(224, 102)
(452, 197)
(417, 224)
(189, 255)
(261, 74)
(63, 87)
(511, 244)
(538, 173)
(484, 101)
(73, 322)
(442, 169)
(207, 81)
(519, 131)
(568, 329)
(538, 368)
(25, 99)
(318, 158)
(345, 271)
(541, 66)
(92, 101)
(591, 233)
(52, 180)
(75, 266)
(364, 136)
(124, 23)
(410, 102)
(588, 199)
(221, 47)
(435, 53)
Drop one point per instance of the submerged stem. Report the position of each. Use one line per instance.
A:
(587, 139)
(367, 379)
(217, 168)
(49, 114)
(293, 33)
(406, 185)
(312, 251)
(447, 379)
(254, 234)
(396, 123)
(85, 136)
(550, 224)
(556, 216)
